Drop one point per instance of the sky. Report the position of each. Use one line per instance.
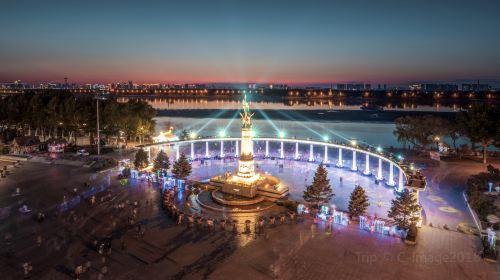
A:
(293, 42)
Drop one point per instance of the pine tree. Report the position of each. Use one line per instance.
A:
(161, 162)
(404, 210)
(182, 168)
(359, 202)
(141, 159)
(320, 190)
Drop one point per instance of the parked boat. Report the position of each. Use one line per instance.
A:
(371, 107)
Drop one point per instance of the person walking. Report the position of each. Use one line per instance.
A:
(39, 240)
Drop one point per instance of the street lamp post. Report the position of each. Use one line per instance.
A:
(98, 96)
(98, 132)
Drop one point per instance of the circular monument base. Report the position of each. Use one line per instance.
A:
(233, 200)
(206, 200)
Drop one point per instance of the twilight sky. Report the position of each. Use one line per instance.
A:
(290, 41)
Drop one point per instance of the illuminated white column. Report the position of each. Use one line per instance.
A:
(325, 159)
(311, 153)
(354, 167)
(207, 152)
(400, 180)
(267, 149)
(177, 155)
(379, 171)
(339, 162)
(282, 153)
(296, 150)
(192, 150)
(237, 153)
(391, 175)
(221, 149)
(367, 165)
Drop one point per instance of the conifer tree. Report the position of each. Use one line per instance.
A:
(320, 190)
(404, 210)
(358, 202)
(182, 168)
(161, 162)
(141, 159)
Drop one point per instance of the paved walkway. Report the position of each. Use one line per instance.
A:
(292, 251)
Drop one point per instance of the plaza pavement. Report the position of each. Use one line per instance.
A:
(291, 251)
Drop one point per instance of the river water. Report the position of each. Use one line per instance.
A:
(364, 132)
(336, 120)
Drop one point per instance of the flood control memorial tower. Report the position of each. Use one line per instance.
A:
(246, 182)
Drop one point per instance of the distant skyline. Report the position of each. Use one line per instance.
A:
(290, 42)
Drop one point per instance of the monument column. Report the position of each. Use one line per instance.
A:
(192, 150)
(367, 164)
(354, 166)
(296, 150)
(222, 148)
(282, 153)
(379, 170)
(325, 159)
(311, 153)
(267, 149)
(207, 153)
(391, 175)
(400, 180)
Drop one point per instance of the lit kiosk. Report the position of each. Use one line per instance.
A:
(246, 186)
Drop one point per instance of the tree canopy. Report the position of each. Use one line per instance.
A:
(141, 159)
(161, 162)
(481, 125)
(404, 209)
(65, 115)
(320, 190)
(420, 131)
(182, 168)
(358, 202)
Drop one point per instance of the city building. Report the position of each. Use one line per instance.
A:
(476, 87)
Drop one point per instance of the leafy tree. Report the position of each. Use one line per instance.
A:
(404, 210)
(480, 124)
(420, 131)
(403, 131)
(182, 168)
(141, 159)
(452, 130)
(358, 202)
(415, 130)
(56, 114)
(161, 162)
(320, 190)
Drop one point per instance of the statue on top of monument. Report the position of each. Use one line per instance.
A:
(246, 117)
